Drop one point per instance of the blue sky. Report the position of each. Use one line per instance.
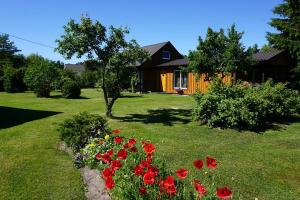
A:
(178, 21)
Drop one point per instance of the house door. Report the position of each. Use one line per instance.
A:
(163, 80)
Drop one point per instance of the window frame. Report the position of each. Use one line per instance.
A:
(180, 80)
(165, 58)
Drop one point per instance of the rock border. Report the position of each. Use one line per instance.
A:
(94, 184)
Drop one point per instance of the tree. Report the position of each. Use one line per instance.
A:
(288, 27)
(219, 53)
(107, 48)
(13, 79)
(41, 74)
(266, 48)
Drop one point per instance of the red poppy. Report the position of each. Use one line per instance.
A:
(109, 183)
(211, 162)
(149, 148)
(115, 165)
(106, 173)
(149, 158)
(153, 169)
(131, 142)
(169, 185)
(134, 149)
(171, 189)
(122, 154)
(144, 164)
(142, 190)
(126, 146)
(118, 140)
(138, 170)
(148, 178)
(200, 188)
(116, 131)
(224, 193)
(110, 153)
(106, 158)
(198, 164)
(98, 156)
(182, 173)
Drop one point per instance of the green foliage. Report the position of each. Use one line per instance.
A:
(13, 79)
(219, 53)
(78, 130)
(287, 36)
(41, 75)
(65, 75)
(88, 79)
(107, 51)
(71, 89)
(245, 107)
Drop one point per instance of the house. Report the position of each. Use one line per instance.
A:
(162, 72)
(275, 64)
(77, 68)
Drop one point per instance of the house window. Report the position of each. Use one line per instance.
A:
(180, 79)
(166, 55)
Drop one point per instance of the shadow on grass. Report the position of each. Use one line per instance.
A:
(166, 117)
(10, 117)
(131, 96)
(59, 96)
(279, 124)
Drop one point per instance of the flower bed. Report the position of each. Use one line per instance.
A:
(131, 171)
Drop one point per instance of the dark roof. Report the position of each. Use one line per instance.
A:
(152, 49)
(264, 56)
(78, 68)
(176, 62)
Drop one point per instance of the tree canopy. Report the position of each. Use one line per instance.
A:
(107, 49)
(219, 53)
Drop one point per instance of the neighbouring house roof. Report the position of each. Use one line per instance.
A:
(153, 48)
(176, 62)
(264, 56)
(77, 68)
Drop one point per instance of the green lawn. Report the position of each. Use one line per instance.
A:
(266, 166)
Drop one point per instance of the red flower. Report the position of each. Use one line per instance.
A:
(107, 173)
(143, 190)
(116, 131)
(126, 146)
(131, 142)
(138, 170)
(118, 140)
(169, 185)
(200, 188)
(153, 169)
(98, 156)
(106, 158)
(224, 193)
(110, 153)
(115, 165)
(122, 154)
(134, 149)
(148, 178)
(109, 183)
(149, 148)
(144, 164)
(149, 159)
(211, 162)
(182, 173)
(198, 164)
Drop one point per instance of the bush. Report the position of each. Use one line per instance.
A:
(88, 79)
(71, 89)
(78, 130)
(13, 79)
(41, 75)
(237, 106)
(65, 75)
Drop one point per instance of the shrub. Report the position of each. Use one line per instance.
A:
(65, 75)
(88, 79)
(71, 89)
(245, 107)
(132, 171)
(13, 79)
(78, 130)
(41, 75)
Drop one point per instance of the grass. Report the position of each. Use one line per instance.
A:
(263, 166)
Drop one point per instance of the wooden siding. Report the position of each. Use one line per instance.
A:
(193, 85)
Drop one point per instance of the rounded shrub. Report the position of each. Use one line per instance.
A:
(71, 89)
